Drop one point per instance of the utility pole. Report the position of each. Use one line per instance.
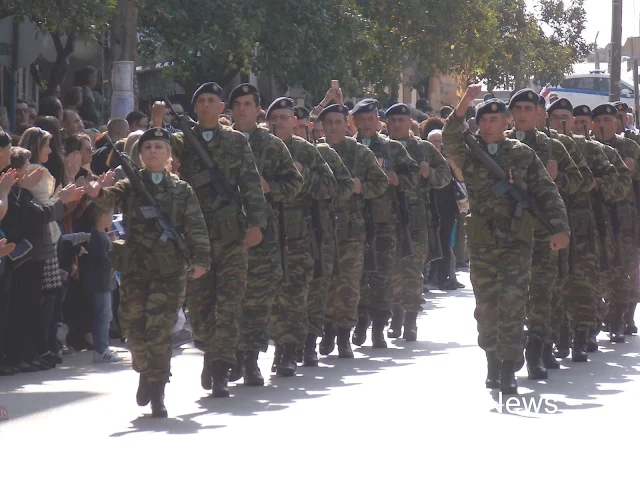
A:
(616, 51)
(597, 54)
(124, 44)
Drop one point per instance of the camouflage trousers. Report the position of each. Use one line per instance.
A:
(148, 311)
(264, 280)
(500, 276)
(214, 301)
(408, 274)
(344, 289)
(622, 281)
(544, 273)
(288, 322)
(376, 294)
(319, 289)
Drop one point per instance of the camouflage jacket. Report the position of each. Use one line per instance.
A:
(628, 149)
(494, 218)
(344, 183)
(319, 181)
(231, 153)
(392, 157)
(576, 155)
(623, 183)
(143, 251)
(604, 172)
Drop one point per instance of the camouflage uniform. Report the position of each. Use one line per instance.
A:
(288, 323)
(408, 279)
(500, 244)
(319, 287)
(154, 273)
(214, 300)
(376, 295)
(264, 279)
(544, 264)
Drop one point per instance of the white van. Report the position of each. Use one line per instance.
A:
(591, 89)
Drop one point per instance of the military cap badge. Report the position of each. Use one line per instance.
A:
(585, 109)
(158, 132)
(283, 103)
(404, 109)
(530, 96)
(494, 107)
(245, 89)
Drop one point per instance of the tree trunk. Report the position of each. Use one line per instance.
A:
(59, 70)
(124, 40)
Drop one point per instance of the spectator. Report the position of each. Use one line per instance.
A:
(73, 99)
(423, 104)
(32, 114)
(446, 111)
(431, 124)
(117, 129)
(55, 163)
(71, 123)
(137, 121)
(4, 119)
(50, 107)
(93, 135)
(87, 78)
(22, 113)
(170, 121)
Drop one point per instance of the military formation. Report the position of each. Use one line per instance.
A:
(280, 234)
(553, 228)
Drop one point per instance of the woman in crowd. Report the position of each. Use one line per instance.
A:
(55, 163)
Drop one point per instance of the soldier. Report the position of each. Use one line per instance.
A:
(369, 181)
(288, 324)
(154, 273)
(281, 182)
(302, 122)
(623, 281)
(582, 293)
(407, 280)
(544, 268)
(376, 295)
(214, 300)
(500, 240)
(623, 122)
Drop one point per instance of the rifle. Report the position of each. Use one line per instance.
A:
(222, 189)
(405, 224)
(562, 272)
(569, 205)
(369, 225)
(597, 204)
(282, 236)
(150, 209)
(317, 232)
(435, 246)
(616, 226)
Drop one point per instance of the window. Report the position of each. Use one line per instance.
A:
(569, 83)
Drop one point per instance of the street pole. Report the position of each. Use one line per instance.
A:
(616, 51)
(13, 75)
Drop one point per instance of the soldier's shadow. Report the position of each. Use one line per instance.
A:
(582, 386)
(181, 425)
(315, 382)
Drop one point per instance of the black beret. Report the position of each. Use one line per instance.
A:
(621, 107)
(398, 109)
(493, 105)
(301, 113)
(582, 111)
(366, 105)
(524, 95)
(281, 103)
(604, 109)
(335, 108)
(154, 134)
(210, 87)
(242, 90)
(560, 104)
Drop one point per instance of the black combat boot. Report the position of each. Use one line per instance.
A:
(629, 322)
(533, 356)
(288, 365)
(158, 410)
(220, 376)
(143, 395)
(299, 355)
(344, 344)
(548, 360)
(616, 329)
(592, 340)
(276, 358)
(252, 374)
(562, 347)
(493, 370)
(310, 357)
(237, 371)
(377, 335)
(360, 332)
(410, 327)
(579, 347)
(508, 383)
(397, 320)
(205, 376)
(328, 342)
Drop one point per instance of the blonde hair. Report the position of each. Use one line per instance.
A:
(131, 147)
(34, 139)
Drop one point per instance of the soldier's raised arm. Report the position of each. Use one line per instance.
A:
(454, 126)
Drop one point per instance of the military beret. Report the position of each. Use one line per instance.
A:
(398, 109)
(621, 107)
(524, 95)
(604, 109)
(366, 105)
(242, 90)
(210, 87)
(281, 103)
(493, 105)
(301, 113)
(334, 108)
(154, 134)
(582, 111)
(560, 104)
